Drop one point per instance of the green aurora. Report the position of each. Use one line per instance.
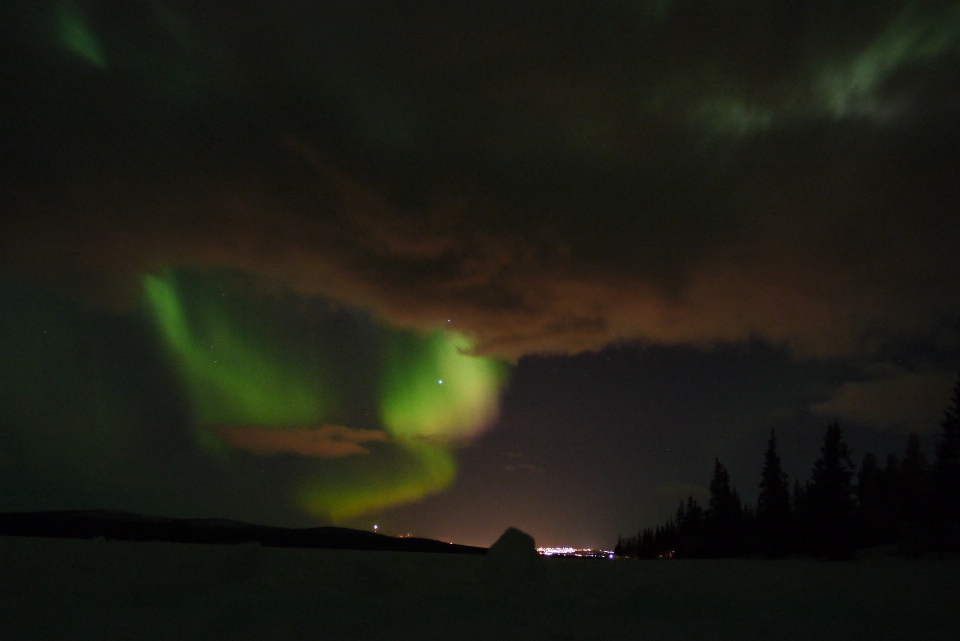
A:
(413, 471)
(76, 35)
(229, 380)
(432, 394)
(432, 387)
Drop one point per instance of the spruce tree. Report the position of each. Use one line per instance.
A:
(870, 504)
(914, 499)
(690, 529)
(947, 477)
(773, 505)
(830, 498)
(800, 518)
(647, 545)
(724, 515)
(748, 544)
(891, 499)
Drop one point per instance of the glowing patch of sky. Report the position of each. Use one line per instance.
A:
(76, 35)
(432, 392)
(433, 387)
(423, 469)
(731, 117)
(228, 379)
(849, 89)
(845, 88)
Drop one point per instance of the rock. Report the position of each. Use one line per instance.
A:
(513, 557)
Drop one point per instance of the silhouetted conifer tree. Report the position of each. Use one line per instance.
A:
(871, 506)
(773, 505)
(724, 515)
(749, 545)
(830, 498)
(797, 496)
(915, 499)
(648, 549)
(905, 502)
(800, 518)
(671, 540)
(947, 478)
(665, 540)
(690, 520)
(627, 547)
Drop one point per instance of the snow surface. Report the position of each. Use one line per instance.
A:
(81, 589)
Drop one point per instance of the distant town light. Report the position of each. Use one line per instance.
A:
(583, 553)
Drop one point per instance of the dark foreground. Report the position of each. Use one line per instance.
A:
(96, 589)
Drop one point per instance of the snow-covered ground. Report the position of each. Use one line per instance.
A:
(70, 589)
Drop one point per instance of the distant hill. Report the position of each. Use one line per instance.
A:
(123, 526)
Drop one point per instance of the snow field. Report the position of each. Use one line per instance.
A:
(69, 589)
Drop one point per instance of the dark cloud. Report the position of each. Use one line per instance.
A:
(908, 401)
(551, 177)
(326, 441)
(522, 467)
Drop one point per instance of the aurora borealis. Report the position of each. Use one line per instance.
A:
(457, 266)
(228, 381)
(76, 36)
(434, 388)
(263, 398)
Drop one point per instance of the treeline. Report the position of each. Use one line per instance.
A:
(908, 502)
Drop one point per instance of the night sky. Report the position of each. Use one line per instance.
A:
(449, 267)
